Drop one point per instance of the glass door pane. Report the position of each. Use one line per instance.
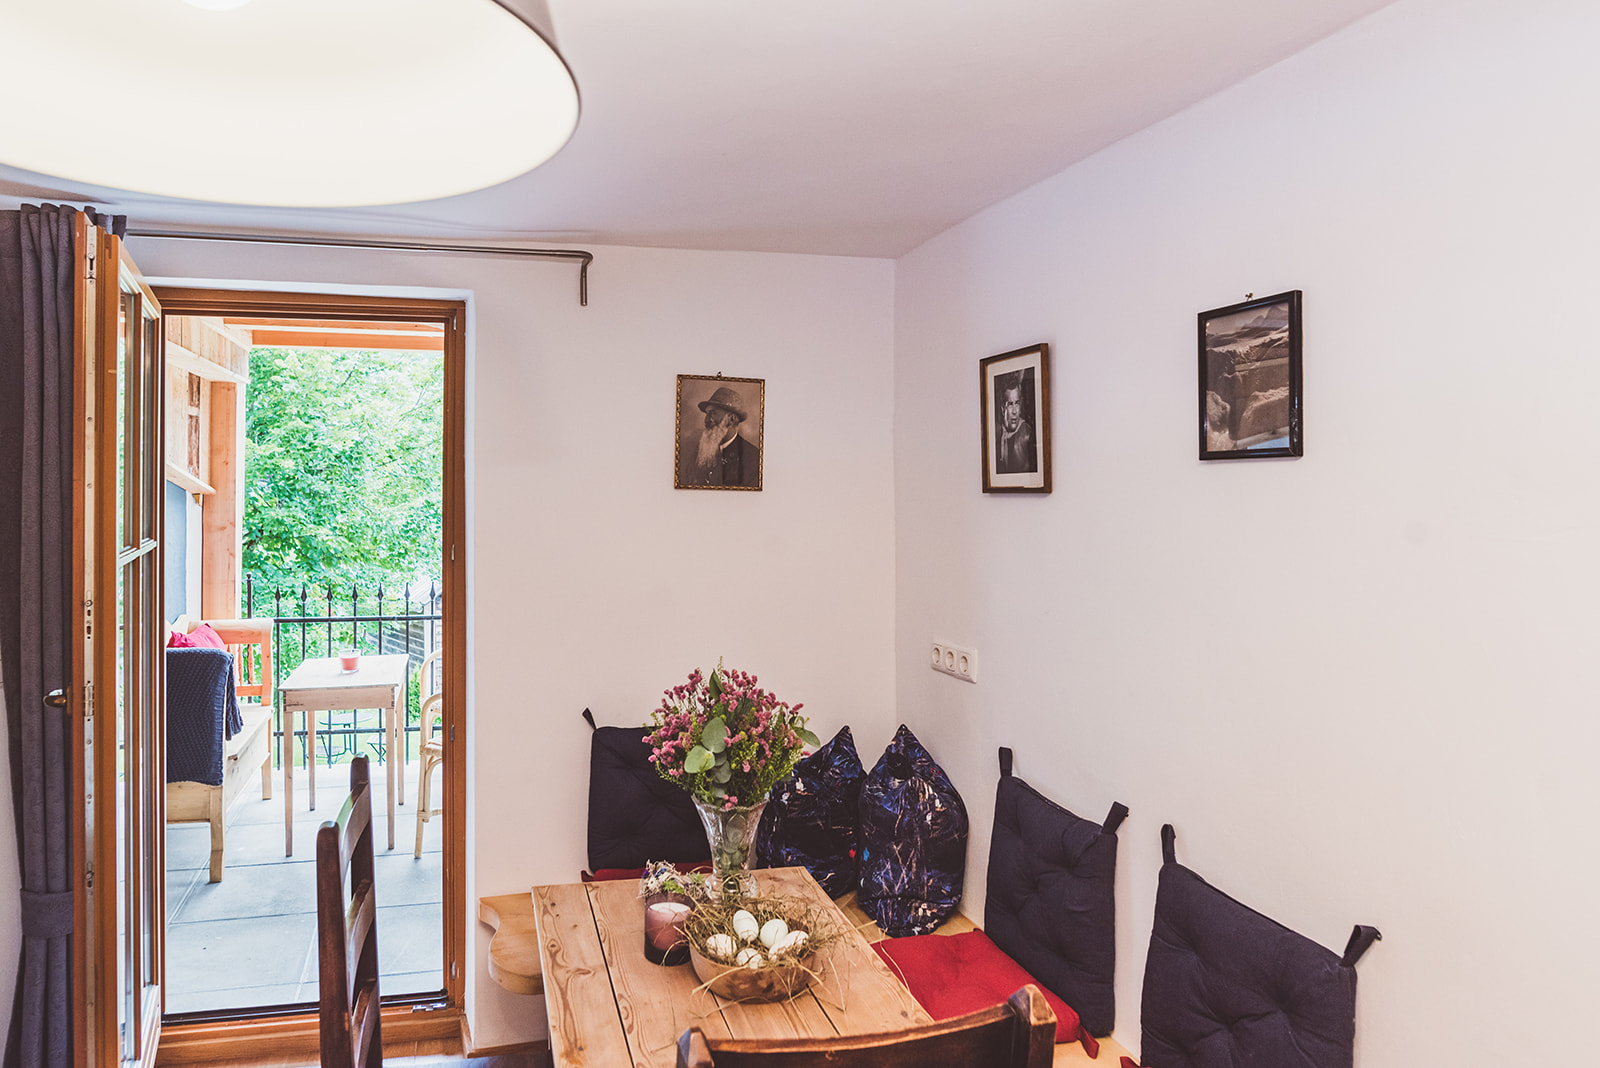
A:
(131, 463)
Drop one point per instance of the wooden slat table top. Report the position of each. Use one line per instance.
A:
(607, 1005)
(584, 1026)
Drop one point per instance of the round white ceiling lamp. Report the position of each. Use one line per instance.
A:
(330, 103)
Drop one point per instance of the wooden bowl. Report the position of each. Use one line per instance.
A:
(738, 983)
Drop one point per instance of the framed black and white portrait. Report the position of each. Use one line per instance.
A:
(1014, 392)
(719, 435)
(1250, 404)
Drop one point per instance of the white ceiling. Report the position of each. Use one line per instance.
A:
(851, 127)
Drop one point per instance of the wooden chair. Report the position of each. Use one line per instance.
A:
(347, 933)
(1019, 1034)
(431, 750)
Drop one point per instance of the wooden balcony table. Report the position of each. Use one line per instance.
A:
(322, 685)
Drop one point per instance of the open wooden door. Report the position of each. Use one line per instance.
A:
(116, 582)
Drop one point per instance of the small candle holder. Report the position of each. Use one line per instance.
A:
(349, 661)
(664, 940)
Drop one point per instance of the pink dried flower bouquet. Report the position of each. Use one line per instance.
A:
(724, 739)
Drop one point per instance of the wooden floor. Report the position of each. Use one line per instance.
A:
(434, 1053)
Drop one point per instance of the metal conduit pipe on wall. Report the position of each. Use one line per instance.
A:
(583, 257)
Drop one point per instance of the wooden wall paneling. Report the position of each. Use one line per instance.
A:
(222, 513)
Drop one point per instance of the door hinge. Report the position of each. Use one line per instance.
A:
(452, 969)
(452, 733)
(452, 554)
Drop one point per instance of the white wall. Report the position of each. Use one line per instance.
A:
(595, 583)
(1360, 683)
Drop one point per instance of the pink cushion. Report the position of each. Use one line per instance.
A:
(951, 975)
(205, 637)
(179, 640)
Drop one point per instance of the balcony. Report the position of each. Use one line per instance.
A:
(250, 941)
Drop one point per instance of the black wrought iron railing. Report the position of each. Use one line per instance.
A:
(328, 620)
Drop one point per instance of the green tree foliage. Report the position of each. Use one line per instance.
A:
(343, 467)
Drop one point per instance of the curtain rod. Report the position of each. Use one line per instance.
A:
(584, 258)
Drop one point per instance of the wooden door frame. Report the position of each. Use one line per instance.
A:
(98, 554)
(296, 1034)
(85, 415)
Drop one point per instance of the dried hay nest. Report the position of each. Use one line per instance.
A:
(778, 975)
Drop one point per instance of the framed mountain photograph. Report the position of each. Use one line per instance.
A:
(1250, 404)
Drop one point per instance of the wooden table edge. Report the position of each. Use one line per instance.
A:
(511, 918)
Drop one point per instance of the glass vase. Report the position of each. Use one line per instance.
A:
(732, 835)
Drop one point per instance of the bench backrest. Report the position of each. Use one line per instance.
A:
(250, 642)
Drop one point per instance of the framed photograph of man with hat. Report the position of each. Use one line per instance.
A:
(1014, 405)
(719, 438)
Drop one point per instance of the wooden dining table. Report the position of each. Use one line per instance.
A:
(608, 1006)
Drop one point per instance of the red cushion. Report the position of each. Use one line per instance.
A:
(602, 875)
(951, 975)
(206, 638)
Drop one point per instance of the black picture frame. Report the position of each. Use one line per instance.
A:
(739, 463)
(1015, 384)
(1250, 379)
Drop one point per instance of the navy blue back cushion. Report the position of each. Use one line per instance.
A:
(913, 840)
(1051, 902)
(201, 706)
(811, 819)
(636, 816)
(1226, 987)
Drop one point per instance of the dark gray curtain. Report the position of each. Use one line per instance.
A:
(36, 340)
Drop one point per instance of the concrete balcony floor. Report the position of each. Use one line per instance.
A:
(251, 940)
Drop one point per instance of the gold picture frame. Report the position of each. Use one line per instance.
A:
(720, 435)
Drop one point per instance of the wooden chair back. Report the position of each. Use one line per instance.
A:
(428, 686)
(347, 932)
(1019, 1034)
(432, 710)
(250, 642)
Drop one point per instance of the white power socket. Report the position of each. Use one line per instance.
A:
(955, 662)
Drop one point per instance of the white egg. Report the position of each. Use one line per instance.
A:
(745, 926)
(719, 945)
(791, 942)
(750, 957)
(773, 931)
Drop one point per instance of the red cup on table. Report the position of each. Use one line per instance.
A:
(350, 661)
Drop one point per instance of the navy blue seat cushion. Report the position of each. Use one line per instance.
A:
(913, 840)
(813, 816)
(1051, 902)
(635, 816)
(1226, 987)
